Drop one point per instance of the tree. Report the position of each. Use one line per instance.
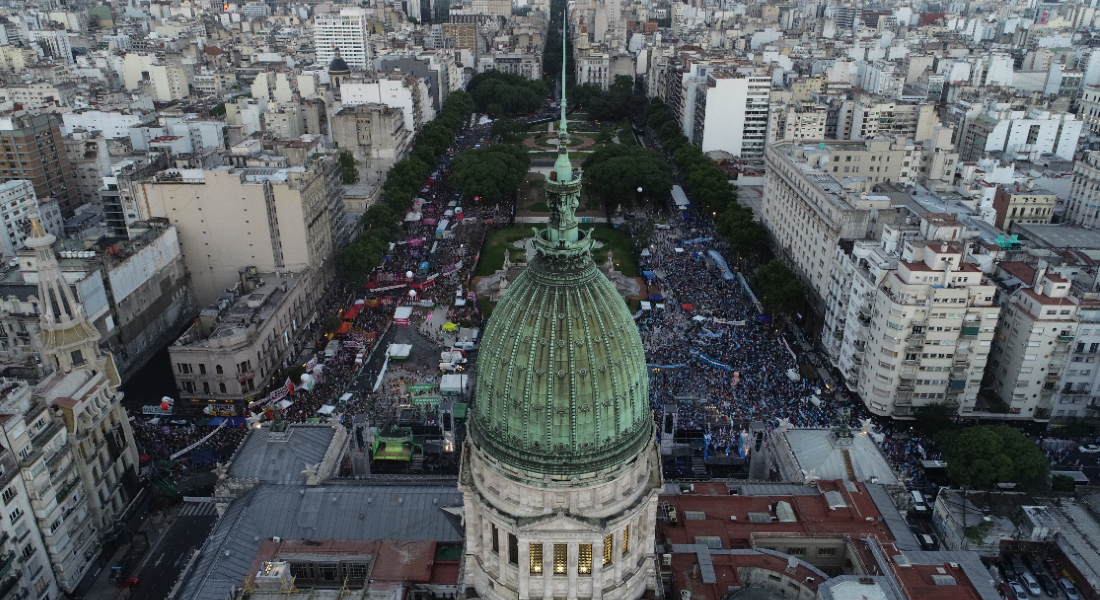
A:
(1062, 483)
(294, 373)
(509, 131)
(581, 95)
(607, 135)
(491, 174)
(616, 172)
(742, 233)
(503, 94)
(985, 455)
(931, 419)
(331, 323)
(218, 110)
(349, 173)
(1075, 430)
(778, 288)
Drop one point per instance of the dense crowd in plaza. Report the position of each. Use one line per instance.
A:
(723, 364)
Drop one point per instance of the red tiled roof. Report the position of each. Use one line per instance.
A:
(1020, 270)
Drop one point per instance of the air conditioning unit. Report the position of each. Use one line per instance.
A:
(666, 560)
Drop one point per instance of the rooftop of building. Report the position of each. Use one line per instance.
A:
(331, 512)
(234, 314)
(1059, 236)
(280, 458)
(827, 455)
(1018, 190)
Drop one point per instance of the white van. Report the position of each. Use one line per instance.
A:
(918, 502)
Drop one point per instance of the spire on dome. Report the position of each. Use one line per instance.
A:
(563, 167)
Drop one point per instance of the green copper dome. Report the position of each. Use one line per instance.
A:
(562, 387)
(561, 380)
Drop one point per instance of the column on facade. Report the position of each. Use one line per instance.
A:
(547, 570)
(526, 578)
(572, 564)
(617, 557)
(597, 569)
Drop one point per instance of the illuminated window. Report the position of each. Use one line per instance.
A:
(496, 540)
(626, 540)
(561, 558)
(536, 558)
(584, 565)
(513, 549)
(607, 542)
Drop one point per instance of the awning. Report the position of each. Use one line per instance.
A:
(215, 421)
(648, 275)
(344, 328)
(687, 307)
(326, 410)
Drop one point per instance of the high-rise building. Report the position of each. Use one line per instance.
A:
(348, 31)
(560, 471)
(18, 205)
(81, 453)
(228, 219)
(1083, 204)
(1031, 353)
(731, 113)
(35, 151)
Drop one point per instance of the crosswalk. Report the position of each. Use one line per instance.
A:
(198, 509)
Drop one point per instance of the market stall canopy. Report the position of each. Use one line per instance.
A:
(283, 404)
(402, 312)
(399, 351)
(450, 326)
(326, 410)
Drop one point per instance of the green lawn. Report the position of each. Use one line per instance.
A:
(618, 242)
(492, 255)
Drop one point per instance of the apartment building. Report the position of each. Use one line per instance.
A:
(887, 119)
(594, 67)
(232, 218)
(35, 150)
(376, 136)
(817, 195)
(1079, 388)
(18, 205)
(348, 31)
(90, 160)
(525, 64)
(1083, 203)
(737, 119)
(1038, 325)
(79, 459)
(931, 328)
(238, 343)
(1022, 204)
(410, 94)
(1023, 135)
(796, 122)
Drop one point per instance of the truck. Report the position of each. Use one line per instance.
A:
(447, 367)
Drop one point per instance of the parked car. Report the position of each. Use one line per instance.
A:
(1006, 591)
(1018, 590)
(1090, 449)
(1006, 569)
(1069, 589)
(1033, 563)
(1053, 568)
(1032, 584)
(1018, 564)
(1048, 584)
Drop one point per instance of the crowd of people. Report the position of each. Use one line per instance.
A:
(723, 364)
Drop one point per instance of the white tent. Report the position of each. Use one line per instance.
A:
(453, 384)
(403, 312)
(283, 404)
(679, 197)
(326, 410)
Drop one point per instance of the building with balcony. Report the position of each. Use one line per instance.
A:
(932, 324)
(242, 339)
(24, 561)
(77, 461)
(1038, 326)
(376, 136)
(1079, 389)
(1083, 204)
(737, 119)
(1019, 204)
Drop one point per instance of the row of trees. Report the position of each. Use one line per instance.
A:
(618, 103)
(552, 52)
(503, 94)
(616, 173)
(778, 288)
(381, 222)
(491, 175)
